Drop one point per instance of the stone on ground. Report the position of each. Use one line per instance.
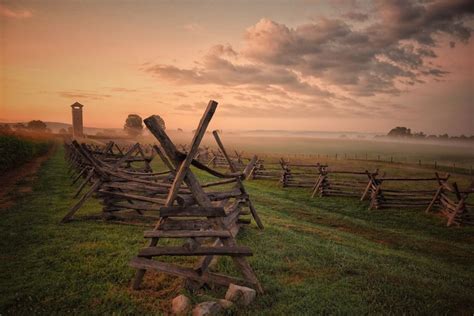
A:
(225, 303)
(207, 309)
(240, 294)
(180, 305)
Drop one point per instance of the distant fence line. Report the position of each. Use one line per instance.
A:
(454, 167)
(457, 167)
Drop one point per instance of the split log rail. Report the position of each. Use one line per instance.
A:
(262, 171)
(343, 183)
(300, 175)
(452, 203)
(389, 192)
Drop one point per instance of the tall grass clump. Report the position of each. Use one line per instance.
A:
(15, 150)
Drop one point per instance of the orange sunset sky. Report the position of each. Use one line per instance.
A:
(286, 65)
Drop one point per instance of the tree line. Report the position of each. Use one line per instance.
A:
(401, 132)
(133, 126)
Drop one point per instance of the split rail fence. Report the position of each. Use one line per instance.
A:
(205, 216)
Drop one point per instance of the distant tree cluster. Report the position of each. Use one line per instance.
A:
(32, 126)
(133, 125)
(160, 121)
(404, 132)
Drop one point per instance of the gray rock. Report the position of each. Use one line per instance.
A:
(225, 303)
(240, 294)
(180, 305)
(207, 308)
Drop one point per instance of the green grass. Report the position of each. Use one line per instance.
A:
(315, 256)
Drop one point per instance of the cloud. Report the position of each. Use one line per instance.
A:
(79, 94)
(356, 16)
(119, 89)
(331, 62)
(217, 67)
(15, 13)
(411, 20)
(264, 110)
(193, 27)
(364, 61)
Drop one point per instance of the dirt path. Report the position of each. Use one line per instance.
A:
(20, 180)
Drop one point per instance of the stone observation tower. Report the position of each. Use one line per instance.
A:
(77, 130)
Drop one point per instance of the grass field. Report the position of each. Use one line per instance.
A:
(315, 256)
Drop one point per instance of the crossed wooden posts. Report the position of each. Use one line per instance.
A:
(194, 223)
(452, 204)
(239, 181)
(259, 171)
(302, 177)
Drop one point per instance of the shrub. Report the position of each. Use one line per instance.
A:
(15, 151)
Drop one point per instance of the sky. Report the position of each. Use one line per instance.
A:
(338, 65)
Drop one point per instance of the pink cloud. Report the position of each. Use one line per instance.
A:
(15, 13)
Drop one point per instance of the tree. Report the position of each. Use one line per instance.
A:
(400, 132)
(19, 126)
(419, 135)
(160, 121)
(133, 125)
(37, 125)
